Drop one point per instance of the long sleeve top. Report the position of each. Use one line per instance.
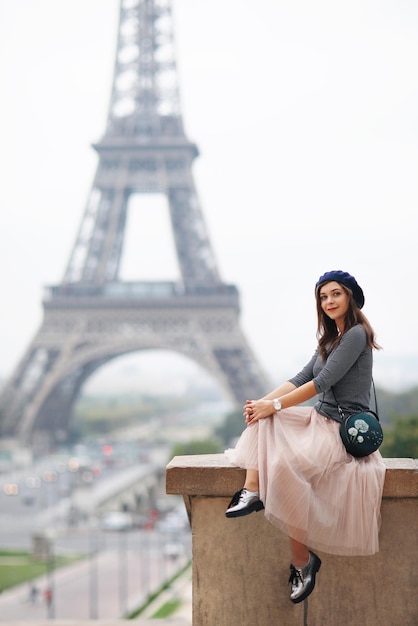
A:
(348, 370)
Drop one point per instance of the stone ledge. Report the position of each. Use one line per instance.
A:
(229, 558)
(214, 475)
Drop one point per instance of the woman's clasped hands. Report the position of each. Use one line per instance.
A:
(255, 410)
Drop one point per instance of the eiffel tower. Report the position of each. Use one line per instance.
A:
(93, 316)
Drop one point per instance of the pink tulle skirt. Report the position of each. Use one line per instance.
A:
(312, 489)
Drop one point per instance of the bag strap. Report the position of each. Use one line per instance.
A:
(341, 412)
(375, 398)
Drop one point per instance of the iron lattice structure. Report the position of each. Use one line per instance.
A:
(93, 316)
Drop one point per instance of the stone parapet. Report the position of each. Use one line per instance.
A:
(240, 566)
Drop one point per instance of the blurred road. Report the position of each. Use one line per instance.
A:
(106, 587)
(121, 568)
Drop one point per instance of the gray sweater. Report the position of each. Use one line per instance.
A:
(348, 370)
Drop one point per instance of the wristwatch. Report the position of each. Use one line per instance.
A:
(277, 405)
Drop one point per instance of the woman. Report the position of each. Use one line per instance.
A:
(297, 466)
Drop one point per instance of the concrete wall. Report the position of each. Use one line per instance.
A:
(241, 566)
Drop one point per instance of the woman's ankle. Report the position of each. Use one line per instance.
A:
(251, 480)
(251, 486)
(300, 554)
(298, 562)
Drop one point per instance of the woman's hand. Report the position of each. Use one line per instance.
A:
(255, 410)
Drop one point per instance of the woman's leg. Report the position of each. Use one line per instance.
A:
(300, 553)
(303, 570)
(251, 480)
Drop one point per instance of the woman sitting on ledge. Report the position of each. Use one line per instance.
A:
(298, 469)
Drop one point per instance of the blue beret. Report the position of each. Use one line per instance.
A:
(344, 278)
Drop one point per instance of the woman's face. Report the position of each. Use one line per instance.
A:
(334, 302)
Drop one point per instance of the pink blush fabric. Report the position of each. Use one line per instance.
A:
(312, 489)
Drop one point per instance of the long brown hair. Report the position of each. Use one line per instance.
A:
(327, 333)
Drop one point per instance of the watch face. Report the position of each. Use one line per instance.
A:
(277, 404)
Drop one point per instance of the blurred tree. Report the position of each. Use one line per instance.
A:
(231, 428)
(203, 446)
(401, 438)
(402, 404)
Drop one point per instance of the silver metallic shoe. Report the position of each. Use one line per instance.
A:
(303, 578)
(243, 503)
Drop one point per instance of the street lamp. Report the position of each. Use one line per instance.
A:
(122, 570)
(94, 550)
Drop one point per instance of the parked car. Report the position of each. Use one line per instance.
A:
(116, 520)
(173, 522)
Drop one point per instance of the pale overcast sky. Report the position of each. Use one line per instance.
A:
(306, 117)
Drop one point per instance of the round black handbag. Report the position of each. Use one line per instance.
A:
(361, 433)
